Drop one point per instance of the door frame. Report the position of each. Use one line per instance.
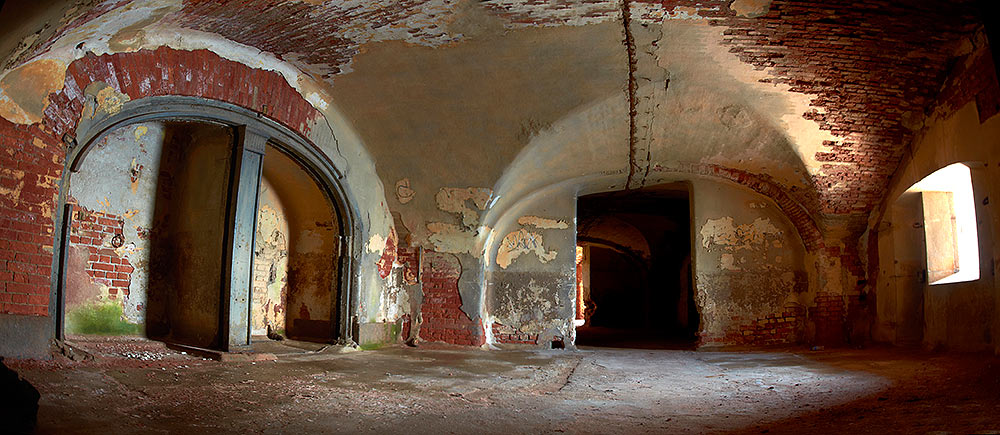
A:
(181, 108)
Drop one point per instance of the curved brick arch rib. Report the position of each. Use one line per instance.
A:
(804, 223)
(167, 83)
(165, 71)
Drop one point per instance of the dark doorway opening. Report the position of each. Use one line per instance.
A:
(634, 269)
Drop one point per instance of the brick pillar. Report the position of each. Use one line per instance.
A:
(443, 318)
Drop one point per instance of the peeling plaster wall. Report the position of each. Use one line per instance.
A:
(454, 117)
(749, 265)
(718, 111)
(311, 248)
(751, 277)
(296, 252)
(524, 100)
(554, 100)
(269, 295)
(139, 27)
(534, 293)
(119, 178)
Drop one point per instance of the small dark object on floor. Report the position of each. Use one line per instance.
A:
(274, 335)
(18, 403)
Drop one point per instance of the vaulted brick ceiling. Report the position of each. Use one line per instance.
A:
(870, 68)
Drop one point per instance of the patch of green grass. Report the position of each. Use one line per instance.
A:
(371, 346)
(396, 329)
(102, 319)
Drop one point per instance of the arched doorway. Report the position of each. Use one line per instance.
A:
(295, 255)
(201, 222)
(634, 271)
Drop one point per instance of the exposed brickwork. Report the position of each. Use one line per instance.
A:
(869, 65)
(165, 71)
(974, 78)
(553, 12)
(850, 259)
(31, 164)
(778, 328)
(507, 335)
(32, 157)
(409, 258)
(320, 38)
(384, 263)
(443, 318)
(245, 21)
(829, 314)
(97, 231)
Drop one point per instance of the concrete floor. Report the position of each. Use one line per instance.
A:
(138, 386)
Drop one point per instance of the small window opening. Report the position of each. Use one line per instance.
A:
(949, 210)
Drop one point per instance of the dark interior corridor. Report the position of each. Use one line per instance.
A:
(637, 256)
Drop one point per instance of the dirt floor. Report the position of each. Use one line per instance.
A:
(139, 386)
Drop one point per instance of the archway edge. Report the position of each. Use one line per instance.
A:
(299, 148)
(168, 107)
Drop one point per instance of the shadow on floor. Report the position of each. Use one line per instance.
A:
(591, 336)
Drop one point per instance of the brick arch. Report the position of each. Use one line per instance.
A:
(166, 71)
(32, 157)
(797, 214)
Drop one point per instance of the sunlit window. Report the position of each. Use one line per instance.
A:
(950, 234)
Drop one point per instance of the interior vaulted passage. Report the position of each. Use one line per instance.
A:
(636, 268)
(525, 216)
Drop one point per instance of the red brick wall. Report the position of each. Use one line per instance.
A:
(31, 164)
(764, 185)
(867, 66)
(443, 318)
(862, 92)
(384, 263)
(96, 230)
(409, 257)
(32, 157)
(829, 316)
(507, 335)
(165, 71)
(974, 78)
(774, 329)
